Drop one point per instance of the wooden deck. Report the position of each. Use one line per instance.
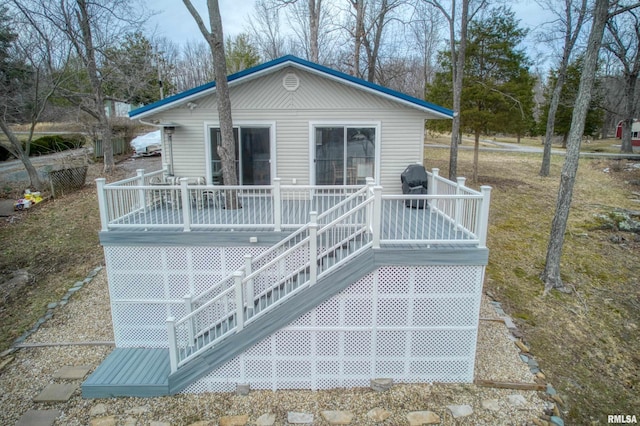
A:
(399, 223)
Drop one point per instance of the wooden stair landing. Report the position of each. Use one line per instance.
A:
(140, 372)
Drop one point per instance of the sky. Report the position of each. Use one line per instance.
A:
(174, 21)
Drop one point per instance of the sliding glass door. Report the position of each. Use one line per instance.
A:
(344, 155)
(253, 155)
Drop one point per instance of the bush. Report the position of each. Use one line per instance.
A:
(56, 143)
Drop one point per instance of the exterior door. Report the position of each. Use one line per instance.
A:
(344, 155)
(253, 156)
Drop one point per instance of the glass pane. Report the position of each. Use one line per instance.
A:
(361, 154)
(216, 163)
(256, 168)
(329, 156)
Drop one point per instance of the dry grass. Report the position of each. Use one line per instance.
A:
(57, 242)
(610, 145)
(585, 342)
(67, 127)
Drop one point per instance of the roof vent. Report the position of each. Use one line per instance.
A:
(291, 82)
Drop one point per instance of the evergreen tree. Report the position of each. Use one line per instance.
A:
(497, 93)
(131, 74)
(595, 113)
(240, 54)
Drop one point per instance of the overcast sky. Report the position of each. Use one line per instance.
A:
(174, 21)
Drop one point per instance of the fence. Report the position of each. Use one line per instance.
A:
(67, 180)
(119, 147)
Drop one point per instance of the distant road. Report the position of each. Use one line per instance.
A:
(525, 149)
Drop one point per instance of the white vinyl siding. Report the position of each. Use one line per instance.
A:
(317, 99)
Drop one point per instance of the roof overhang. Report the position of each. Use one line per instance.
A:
(292, 61)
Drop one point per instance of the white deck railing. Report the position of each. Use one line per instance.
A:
(149, 202)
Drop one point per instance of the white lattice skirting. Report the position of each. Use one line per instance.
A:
(412, 324)
(147, 285)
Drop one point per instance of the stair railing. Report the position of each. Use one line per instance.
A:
(231, 301)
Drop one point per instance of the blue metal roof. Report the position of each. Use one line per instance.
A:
(295, 61)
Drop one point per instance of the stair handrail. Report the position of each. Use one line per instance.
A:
(283, 242)
(240, 279)
(361, 228)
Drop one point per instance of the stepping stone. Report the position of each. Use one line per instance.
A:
(418, 418)
(72, 373)
(234, 420)
(516, 399)
(381, 385)
(56, 392)
(299, 418)
(378, 414)
(268, 419)
(103, 421)
(491, 404)
(458, 411)
(337, 417)
(38, 418)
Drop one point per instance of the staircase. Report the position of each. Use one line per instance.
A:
(273, 289)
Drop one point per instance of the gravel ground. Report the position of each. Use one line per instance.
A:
(87, 319)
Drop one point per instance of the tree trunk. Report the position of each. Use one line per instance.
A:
(570, 37)
(457, 62)
(34, 179)
(314, 28)
(227, 149)
(82, 15)
(476, 152)
(551, 121)
(359, 34)
(551, 274)
(375, 51)
(629, 112)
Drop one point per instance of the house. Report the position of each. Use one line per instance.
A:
(323, 274)
(635, 132)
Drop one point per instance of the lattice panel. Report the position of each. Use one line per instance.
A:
(414, 324)
(148, 284)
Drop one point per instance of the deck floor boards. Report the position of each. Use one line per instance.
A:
(130, 372)
(398, 221)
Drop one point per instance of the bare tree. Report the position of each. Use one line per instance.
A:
(623, 41)
(310, 20)
(27, 83)
(194, 66)
(265, 30)
(570, 20)
(377, 18)
(601, 14)
(458, 53)
(91, 28)
(426, 28)
(215, 39)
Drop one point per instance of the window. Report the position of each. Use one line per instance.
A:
(344, 155)
(253, 155)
